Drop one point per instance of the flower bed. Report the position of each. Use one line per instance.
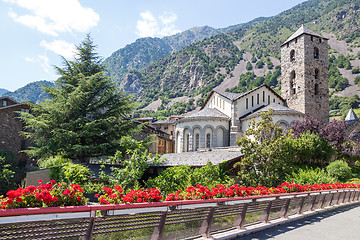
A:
(53, 194)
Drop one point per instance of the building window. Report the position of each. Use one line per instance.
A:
(316, 53)
(4, 103)
(292, 82)
(316, 89)
(257, 99)
(312, 38)
(187, 142)
(320, 40)
(274, 100)
(263, 96)
(295, 40)
(208, 140)
(252, 100)
(197, 138)
(247, 103)
(292, 55)
(287, 45)
(268, 99)
(316, 73)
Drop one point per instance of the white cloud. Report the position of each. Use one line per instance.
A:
(53, 17)
(42, 59)
(60, 47)
(149, 26)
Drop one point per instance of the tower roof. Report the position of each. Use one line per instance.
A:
(351, 116)
(303, 30)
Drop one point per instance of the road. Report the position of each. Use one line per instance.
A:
(342, 223)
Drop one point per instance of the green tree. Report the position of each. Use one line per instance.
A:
(267, 153)
(132, 169)
(86, 115)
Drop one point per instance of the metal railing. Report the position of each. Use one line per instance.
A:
(87, 221)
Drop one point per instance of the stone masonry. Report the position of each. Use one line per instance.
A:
(304, 66)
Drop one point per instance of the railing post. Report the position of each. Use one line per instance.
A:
(349, 198)
(265, 215)
(206, 225)
(358, 195)
(328, 203)
(312, 203)
(240, 220)
(300, 205)
(339, 198)
(354, 196)
(284, 208)
(322, 201)
(90, 228)
(159, 229)
(344, 196)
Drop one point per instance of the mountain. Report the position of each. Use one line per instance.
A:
(144, 51)
(2, 91)
(222, 60)
(31, 92)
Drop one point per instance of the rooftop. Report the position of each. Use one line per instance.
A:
(303, 30)
(200, 158)
(278, 109)
(206, 113)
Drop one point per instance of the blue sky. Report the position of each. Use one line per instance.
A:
(34, 33)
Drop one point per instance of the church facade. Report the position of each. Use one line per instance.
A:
(224, 117)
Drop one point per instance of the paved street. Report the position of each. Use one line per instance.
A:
(342, 223)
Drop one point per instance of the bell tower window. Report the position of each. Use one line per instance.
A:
(316, 73)
(292, 83)
(292, 55)
(316, 89)
(316, 53)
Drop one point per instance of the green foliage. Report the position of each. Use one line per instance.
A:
(355, 70)
(310, 148)
(179, 178)
(132, 169)
(341, 105)
(75, 173)
(86, 115)
(210, 175)
(10, 173)
(249, 66)
(172, 179)
(260, 64)
(339, 170)
(62, 169)
(267, 153)
(32, 92)
(6, 176)
(310, 176)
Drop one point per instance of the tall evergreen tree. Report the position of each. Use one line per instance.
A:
(86, 114)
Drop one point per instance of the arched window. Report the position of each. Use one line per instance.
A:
(197, 137)
(292, 55)
(187, 143)
(208, 143)
(316, 73)
(316, 53)
(292, 82)
(316, 89)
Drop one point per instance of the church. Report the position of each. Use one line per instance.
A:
(224, 117)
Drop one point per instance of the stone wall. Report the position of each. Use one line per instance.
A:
(300, 87)
(10, 127)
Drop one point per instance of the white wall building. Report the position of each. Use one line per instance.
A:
(224, 117)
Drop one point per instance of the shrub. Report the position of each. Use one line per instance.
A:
(62, 169)
(339, 170)
(310, 176)
(75, 173)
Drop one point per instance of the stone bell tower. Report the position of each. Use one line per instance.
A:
(304, 70)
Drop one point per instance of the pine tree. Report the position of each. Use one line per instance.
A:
(86, 114)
